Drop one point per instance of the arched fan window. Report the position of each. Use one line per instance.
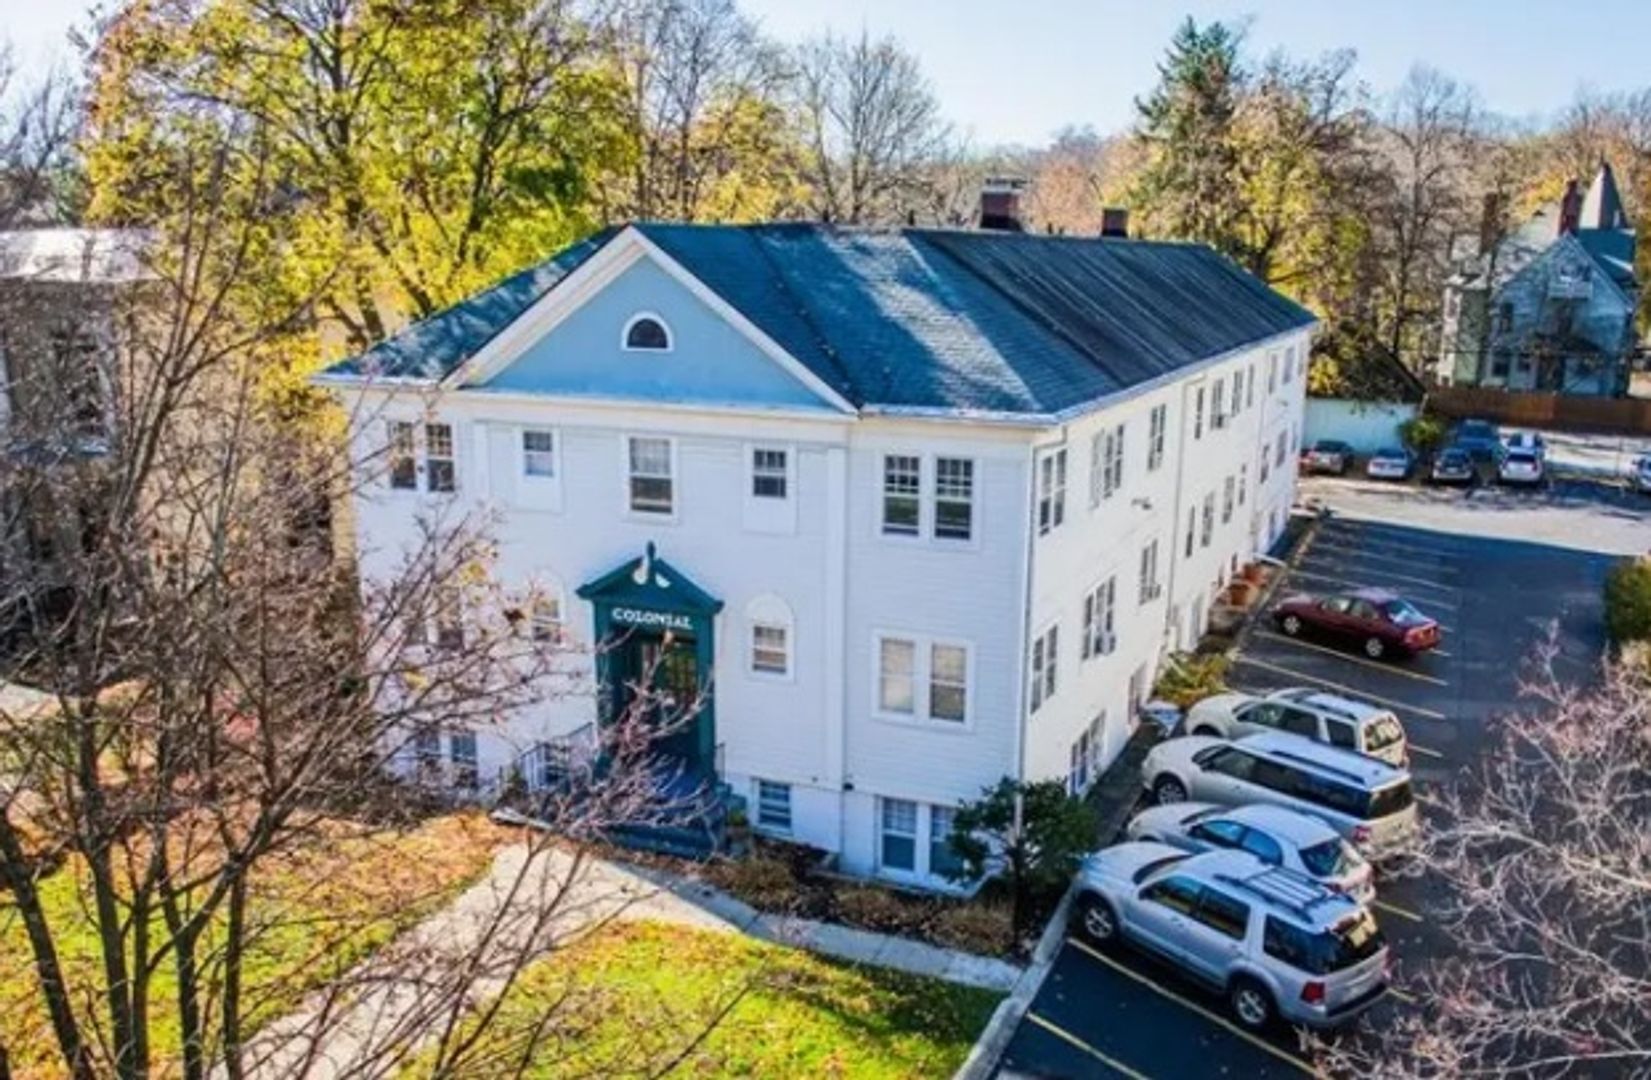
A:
(647, 333)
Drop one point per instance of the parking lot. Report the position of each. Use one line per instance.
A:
(1500, 582)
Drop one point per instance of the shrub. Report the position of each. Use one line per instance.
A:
(987, 929)
(1038, 847)
(1628, 601)
(762, 881)
(1190, 679)
(873, 908)
(1423, 433)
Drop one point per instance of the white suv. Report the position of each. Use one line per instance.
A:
(1344, 722)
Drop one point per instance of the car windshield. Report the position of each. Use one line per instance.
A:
(1332, 858)
(1154, 866)
(1454, 458)
(1476, 429)
(1403, 613)
(1391, 453)
(1521, 457)
(1323, 447)
(1382, 732)
(1390, 800)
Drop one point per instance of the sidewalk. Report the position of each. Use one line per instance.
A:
(524, 907)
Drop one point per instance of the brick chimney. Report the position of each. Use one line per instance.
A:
(1570, 208)
(1000, 203)
(1115, 221)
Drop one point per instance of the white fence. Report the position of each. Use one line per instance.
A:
(1366, 426)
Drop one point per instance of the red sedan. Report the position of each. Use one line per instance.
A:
(1380, 622)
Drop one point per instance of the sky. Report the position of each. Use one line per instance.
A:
(1016, 71)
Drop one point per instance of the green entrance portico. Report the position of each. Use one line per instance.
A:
(653, 622)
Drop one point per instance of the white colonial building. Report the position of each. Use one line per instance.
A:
(922, 509)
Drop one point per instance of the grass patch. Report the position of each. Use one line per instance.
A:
(320, 908)
(638, 995)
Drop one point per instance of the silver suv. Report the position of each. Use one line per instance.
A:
(1368, 801)
(1314, 714)
(1277, 943)
(1276, 836)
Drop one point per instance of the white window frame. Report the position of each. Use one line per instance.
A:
(1243, 481)
(401, 446)
(761, 801)
(1158, 423)
(1228, 490)
(971, 500)
(923, 681)
(1238, 392)
(915, 870)
(552, 630)
(786, 476)
(464, 770)
(1148, 587)
(1100, 619)
(626, 444)
(1043, 667)
(1218, 405)
(884, 494)
(1192, 531)
(784, 650)
(1206, 532)
(1272, 371)
(1198, 411)
(1051, 481)
(1249, 387)
(429, 458)
(527, 456)
(625, 333)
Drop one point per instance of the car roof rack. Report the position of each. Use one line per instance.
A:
(1322, 766)
(1285, 888)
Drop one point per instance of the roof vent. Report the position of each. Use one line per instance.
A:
(1115, 221)
(1000, 203)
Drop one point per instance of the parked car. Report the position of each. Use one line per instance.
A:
(1279, 944)
(1367, 801)
(1314, 714)
(1529, 441)
(1454, 465)
(1381, 622)
(1479, 438)
(1642, 473)
(1389, 463)
(1521, 467)
(1276, 836)
(1328, 456)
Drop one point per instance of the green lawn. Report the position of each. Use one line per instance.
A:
(322, 908)
(637, 995)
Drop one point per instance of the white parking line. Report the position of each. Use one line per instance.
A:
(1425, 752)
(1193, 1006)
(1338, 546)
(1366, 538)
(1388, 669)
(1417, 582)
(1250, 661)
(1394, 909)
(1067, 1037)
(1408, 999)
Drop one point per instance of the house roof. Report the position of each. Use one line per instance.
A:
(80, 256)
(916, 319)
(1603, 231)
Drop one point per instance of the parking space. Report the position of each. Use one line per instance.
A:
(1498, 598)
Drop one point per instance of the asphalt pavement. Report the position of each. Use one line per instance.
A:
(1509, 585)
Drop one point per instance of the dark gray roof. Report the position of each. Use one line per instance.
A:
(926, 319)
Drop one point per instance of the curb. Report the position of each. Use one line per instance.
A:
(1000, 1029)
(1290, 562)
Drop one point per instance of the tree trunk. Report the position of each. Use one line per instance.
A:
(15, 872)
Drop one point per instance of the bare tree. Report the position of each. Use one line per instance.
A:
(1544, 860)
(872, 125)
(37, 130)
(227, 701)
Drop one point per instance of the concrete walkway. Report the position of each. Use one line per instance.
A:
(527, 905)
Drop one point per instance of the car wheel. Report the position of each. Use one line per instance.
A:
(1251, 1003)
(1096, 920)
(1168, 790)
(1375, 648)
(1291, 625)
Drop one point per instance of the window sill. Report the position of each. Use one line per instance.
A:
(925, 723)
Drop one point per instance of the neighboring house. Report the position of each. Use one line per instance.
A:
(1551, 305)
(59, 290)
(930, 506)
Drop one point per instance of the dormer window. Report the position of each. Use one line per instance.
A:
(647, 333)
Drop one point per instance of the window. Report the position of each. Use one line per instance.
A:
(403, 454)
(538, 453)
(773, 806)
(1198, 414)
(954, 493)
(651, 487)
(902, 491)
(770, 649)
(1229, 491)
(647, 333)
(1300, 723)
(439, 474)
(1192, 530)
(1045, 650)
(899, 848)
(1158, 421)
(1099, 638)
(449, 622)
(1149, 572)
(897, 676)
(461, 754)
(1223, 914)
(1208, 532)
(1077, 765)
(1238, 392)
(1342, 734)
(1289, 364)
(948, 682)
(768, 474)
(1263, 847)
(426, 748)
(1227, 834)
(545, 621)
(1249, 388)
(1263, 464)
(1106, 464)
(1218, 404)
(1278, 458)
(1243, 482)
(1177, 893)
(1051, 491)
(1272, 372)
(943, 861)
